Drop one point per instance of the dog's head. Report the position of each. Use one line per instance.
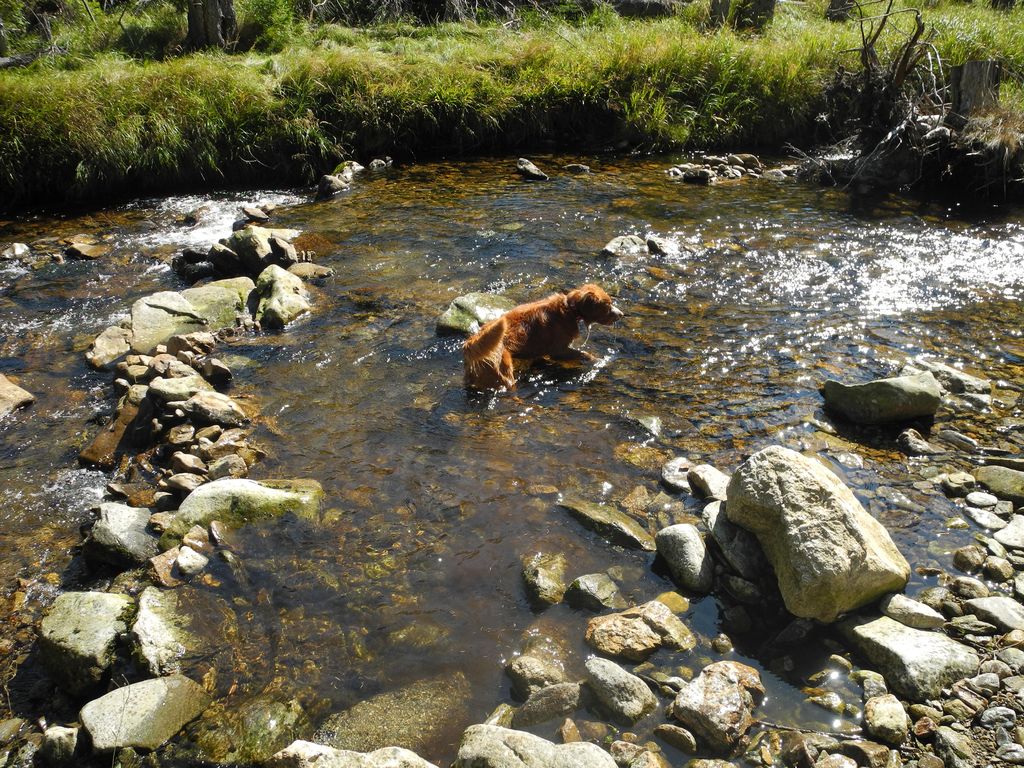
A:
(592, 305)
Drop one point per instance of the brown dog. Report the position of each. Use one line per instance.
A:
(542, 328)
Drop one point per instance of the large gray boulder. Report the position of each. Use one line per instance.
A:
(829, 554)
(1002, 482)
(717, 705)
(157, 317)
(682, 548)
(121, 536)
(883, 401)
(13, 397)
(306, 754)
(236, 502)
(412, 717)
(78, 635)
(143, 715)
(491, 746)
(623, 694)
(282, 297)
(468, 314)
(915, 663)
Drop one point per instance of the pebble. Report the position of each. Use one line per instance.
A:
(998, 569)
(968, 588)
(987, 683)
(981, 499)
(969, 559)
(677, 736)
(996, 667)
(986, 518)
(998, 716)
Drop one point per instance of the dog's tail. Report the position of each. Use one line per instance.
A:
(484, 347)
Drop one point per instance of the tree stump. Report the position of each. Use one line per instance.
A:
(974, 86)
(211, 24)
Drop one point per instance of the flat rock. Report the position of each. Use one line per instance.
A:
(682, 548)
(1012, 535)
(121, 536)
(637, 632)
(883, 401)
(282, 297)
(717, 705)
(179, 389)
(412, 717)
(78, 634)
(911, 613)
(986, 518)
(490, 746)
(915, 663)
(546, 704)
(143, 715)
(236, 502)
(674, 474)
(467, 314)
(208, 407)
(623, 694)
(306, 754)
(1002, 482)
(1004, 612)
(829, 555)
(615, 526)
(157, 317)
(13, 397)
(220, 302)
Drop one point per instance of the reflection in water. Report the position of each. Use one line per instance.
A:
(435, 495)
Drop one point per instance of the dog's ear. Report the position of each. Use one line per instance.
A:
(584, 298)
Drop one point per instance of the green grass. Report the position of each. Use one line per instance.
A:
(95, 123)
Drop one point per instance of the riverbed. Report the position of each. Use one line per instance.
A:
(434, 495)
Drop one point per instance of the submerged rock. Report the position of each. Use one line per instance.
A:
(718, 705)
(13, 397)
(915, 663)
(249, 732)
(548, 703)
(282, 297)
(78, 634)
(468, 313)
(413, 717)
(143, 715)
(624, 245)
(829, 554)
(544, 576)
(883, 401)
(235, 502)
(490, 746)
(617, 527)
(306, 754)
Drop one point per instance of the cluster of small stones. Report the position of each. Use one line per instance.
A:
(56, 250)
(173, 433)
(709, 169)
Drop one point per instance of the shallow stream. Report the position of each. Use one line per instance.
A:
(434, 496)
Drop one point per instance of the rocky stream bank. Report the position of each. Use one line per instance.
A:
(781, 541)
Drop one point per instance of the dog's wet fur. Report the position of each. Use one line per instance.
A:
(542, 328)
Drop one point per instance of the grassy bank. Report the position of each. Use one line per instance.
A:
(101, 124)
